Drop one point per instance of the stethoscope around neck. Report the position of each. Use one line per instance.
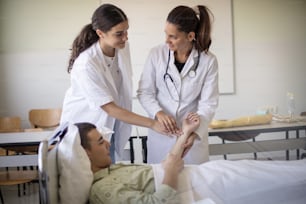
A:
(167, 77)
(191, 72)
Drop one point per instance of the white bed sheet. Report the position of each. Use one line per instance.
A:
(243, 181)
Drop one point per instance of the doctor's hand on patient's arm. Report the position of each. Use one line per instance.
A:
(168, 122)
(185, 141)
(160, 128)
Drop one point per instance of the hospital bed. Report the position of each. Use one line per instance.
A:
(221, 181)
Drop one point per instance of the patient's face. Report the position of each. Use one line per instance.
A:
(99, 153)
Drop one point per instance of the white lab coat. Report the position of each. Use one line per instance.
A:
(92, 86)
(198, 94)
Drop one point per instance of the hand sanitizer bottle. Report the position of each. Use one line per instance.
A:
(290, 104)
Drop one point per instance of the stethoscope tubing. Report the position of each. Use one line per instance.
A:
(191, 72)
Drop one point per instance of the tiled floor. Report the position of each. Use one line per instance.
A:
(10, 194)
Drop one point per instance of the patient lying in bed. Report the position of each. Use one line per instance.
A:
(213, 182)
(121, 183)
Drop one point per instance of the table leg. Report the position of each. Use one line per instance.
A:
(224, 155)
(255, 154)
(297, 151)
(287, 151)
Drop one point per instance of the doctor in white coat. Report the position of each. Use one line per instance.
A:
(181, 77)
(101, 79)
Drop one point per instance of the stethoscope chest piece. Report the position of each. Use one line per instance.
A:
(192, 73)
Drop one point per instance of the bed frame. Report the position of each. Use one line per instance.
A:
(48, 168)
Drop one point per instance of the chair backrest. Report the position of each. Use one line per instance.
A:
(10, 124)
(14, 177)
(45, 118)
(13, 124)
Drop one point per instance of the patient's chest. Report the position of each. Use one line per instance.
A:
(122, 180)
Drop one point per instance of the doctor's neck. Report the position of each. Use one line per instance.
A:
(106, 49)
(182, 54)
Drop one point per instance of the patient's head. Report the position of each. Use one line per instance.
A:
(96, 147)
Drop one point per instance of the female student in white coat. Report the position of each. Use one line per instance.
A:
(101, 84)
(180, 77)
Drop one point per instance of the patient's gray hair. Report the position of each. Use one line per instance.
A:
(84, 129)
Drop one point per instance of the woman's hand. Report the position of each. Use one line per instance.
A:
(169, 123)
(160, 128)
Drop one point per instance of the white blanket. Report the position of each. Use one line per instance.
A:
(243, 181)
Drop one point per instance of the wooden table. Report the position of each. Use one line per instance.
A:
(247, 132)
(239, 134)
(21, 139)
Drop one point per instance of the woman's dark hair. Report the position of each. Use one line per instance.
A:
(186, 19)
(104, 18)
(84, 129)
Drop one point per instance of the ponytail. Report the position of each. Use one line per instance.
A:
(203, 33)
(84, 40)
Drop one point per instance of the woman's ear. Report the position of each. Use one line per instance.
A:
(100, 33)
(191, 36)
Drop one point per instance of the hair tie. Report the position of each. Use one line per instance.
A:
(197, 11)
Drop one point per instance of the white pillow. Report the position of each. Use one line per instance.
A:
(75, 175)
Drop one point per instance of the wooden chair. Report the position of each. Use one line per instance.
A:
(10, 124)
(14, 177)
(13, 124)
(48, 118)
(45, 118)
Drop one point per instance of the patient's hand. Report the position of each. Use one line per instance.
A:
(185, 141)
(191, 123)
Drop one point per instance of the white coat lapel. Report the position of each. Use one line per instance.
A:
(174, 73)
(190, 63)
(105, 70)
(125, 67)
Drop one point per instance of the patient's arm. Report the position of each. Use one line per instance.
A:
(190, 124)
(173, 163)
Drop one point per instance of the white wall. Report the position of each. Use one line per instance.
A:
(270, 47)
(35, 37)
